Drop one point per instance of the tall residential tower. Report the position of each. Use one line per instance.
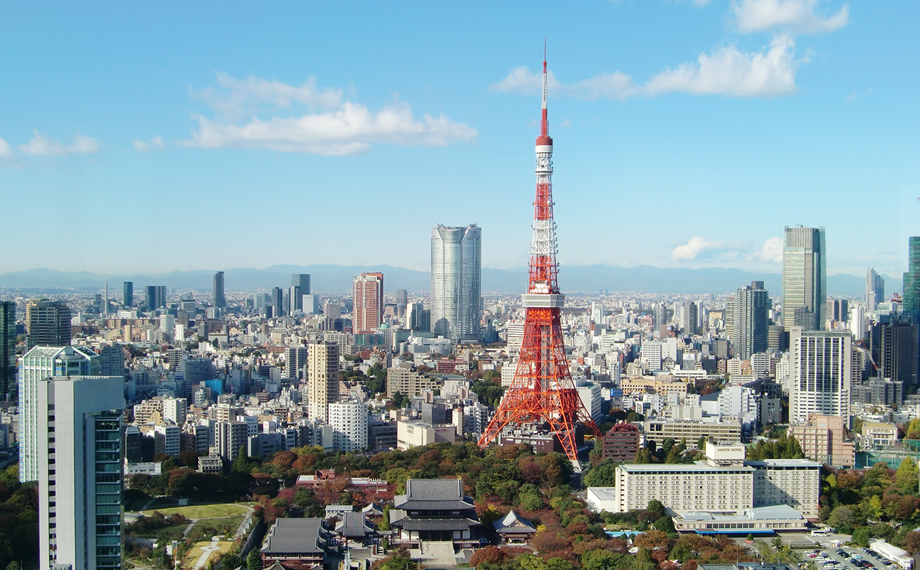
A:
(367, 315)
(219, 300)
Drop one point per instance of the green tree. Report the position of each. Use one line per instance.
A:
(602, 475)
(643, 560)
(907, 477)
(254, 560)
(843, 518)
(862, 535)
(12, 565)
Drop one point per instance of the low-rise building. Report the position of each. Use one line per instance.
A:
(692, 431)
(824, 439)
(297, 542)
(621, 442)
(416, 433)
(765, 520)
(434, 510)
(877, 435)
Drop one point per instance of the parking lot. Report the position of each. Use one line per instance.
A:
(851, 559)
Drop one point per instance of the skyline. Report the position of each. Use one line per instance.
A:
(188, 134)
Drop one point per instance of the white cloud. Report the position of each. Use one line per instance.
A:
(852, 97)
(731, 72)
(153, 144)
(794, 16)
(340, 128)
(6, 151)
(40, 145)
(771, 252)
(728, 71)
(701, 2)
(696, 247)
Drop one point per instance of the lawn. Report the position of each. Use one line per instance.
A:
(203, 511)
(226, 527)
(191, 558)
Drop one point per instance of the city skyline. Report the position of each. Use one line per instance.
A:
(650, 102)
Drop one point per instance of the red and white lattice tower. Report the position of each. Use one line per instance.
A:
(542, 392)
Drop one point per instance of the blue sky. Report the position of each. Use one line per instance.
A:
(155, 137)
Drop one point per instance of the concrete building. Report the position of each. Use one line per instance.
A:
(662, 387)
(821, 373)
(416, 433)
(230, 437)
(878, 435)
(456, 276)
(39, 363)
(80, 472)
(824, 439)
(692, 431)
(48, 322)
(750, 307)
(621, 443)
(722, 484)
(349, 423)
(408, 382)
(294, 362)
(175, 410)
(792, 482)
(323, 373)
(367, 315)
(167, 439)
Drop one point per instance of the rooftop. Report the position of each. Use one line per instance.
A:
(295, 537)
(776, 512)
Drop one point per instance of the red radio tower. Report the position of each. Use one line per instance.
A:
(542, 391)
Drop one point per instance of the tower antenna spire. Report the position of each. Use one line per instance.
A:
(542, 394)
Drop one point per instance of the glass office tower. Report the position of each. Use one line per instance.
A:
(456, 276)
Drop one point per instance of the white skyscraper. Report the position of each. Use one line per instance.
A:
(456, 276)
(39, 363)
(821, 373)
(349, 425)
(80, 477)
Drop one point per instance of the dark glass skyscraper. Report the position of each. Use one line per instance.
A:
(751, 308)
(300, 286)
(912, 278)
(219, 300)
(8, 350)
(128, 294)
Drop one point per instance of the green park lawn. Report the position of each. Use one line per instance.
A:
(203, 511)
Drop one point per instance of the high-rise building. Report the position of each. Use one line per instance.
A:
(39, 363)
(875, 289)
(838, 310)
(80, 478)
(309, 304)
(300, 286)
(155, 297)
(349, 426)
(418, 318)
(296, 359)
(401, 296)
(893, 346)
(456, 280)
(912, 279)
(112, 360)
(277, 302)
(750, 309)
(8, 386)
(804, 278)
(821, 373)
(219, 299)
(368, 303)
(48, 322)
(689, 312)
(127, 295)
(323, 374)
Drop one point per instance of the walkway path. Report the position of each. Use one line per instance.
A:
(206, 554)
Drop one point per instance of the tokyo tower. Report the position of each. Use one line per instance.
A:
(542, 392)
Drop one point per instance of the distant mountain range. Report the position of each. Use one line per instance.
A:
(331, 279)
